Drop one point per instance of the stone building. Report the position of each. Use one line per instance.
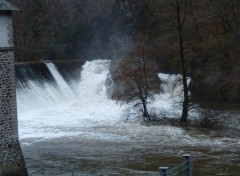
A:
(11, 157)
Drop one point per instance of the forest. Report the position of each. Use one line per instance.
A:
(199, 39)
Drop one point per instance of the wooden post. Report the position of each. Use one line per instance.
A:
(163, 171)
(188, 171)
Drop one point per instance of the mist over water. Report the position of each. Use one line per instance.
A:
(79, 116)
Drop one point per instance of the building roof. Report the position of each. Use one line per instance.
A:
(6, 6)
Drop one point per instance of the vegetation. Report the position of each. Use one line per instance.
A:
(69, 29)
(138, 80)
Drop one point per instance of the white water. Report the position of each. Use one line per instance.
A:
(60, 111)
(85, 111)
(64, 89)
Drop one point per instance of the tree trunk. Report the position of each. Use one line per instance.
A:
(145, 111)
(180, 24)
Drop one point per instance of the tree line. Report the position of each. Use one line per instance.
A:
(69, 29)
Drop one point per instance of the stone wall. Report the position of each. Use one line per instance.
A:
(11, 157)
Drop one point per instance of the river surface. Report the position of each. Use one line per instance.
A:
(73, 128)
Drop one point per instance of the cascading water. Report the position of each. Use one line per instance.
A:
(87, 129)
(38, 93)
(94, 76)
(66, 91)
(57, 106)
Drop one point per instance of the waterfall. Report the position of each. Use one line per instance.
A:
(36, 92)
(93, 85)
(56, 104)
(50, 105)
(40, 92)
(63, 88)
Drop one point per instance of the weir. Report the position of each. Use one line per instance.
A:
(43, 85)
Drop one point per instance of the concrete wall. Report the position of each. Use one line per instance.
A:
(11, 157)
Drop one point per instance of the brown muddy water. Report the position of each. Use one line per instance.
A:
(213, 152)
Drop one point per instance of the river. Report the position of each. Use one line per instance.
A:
(71, 127)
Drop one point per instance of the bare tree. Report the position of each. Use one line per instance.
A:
(181, 12)
(138, 79)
